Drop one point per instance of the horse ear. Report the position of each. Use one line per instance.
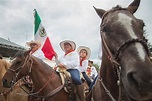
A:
(100, 12)
(27, 52)
(133, 6)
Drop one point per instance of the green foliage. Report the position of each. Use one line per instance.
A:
(148, 43)
(96, 66)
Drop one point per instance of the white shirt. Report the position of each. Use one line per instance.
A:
(39, 54)
(71, 60)
(84, 66)
(93, 71)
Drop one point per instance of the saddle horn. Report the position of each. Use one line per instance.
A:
(133, 6)
(100, 12)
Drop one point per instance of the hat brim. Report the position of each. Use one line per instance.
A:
(34, 42)
(85, 48)
(68, 41)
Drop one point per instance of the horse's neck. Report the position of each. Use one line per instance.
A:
(43, 75)
(108, 76)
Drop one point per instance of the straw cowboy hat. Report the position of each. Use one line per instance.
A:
(34, 42)
(85, 48)
(68, 41)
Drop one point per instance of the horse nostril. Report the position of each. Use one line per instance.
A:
(133, 80)
(4, 81)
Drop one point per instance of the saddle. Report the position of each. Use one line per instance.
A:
(66, 79)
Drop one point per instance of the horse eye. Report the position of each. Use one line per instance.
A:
(18, 62)
(144, 24)
(104, 28)
(141, 22)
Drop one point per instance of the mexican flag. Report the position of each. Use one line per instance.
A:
(41, 36)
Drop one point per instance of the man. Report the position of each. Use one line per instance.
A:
(37, 52)
(93, 70)
(35, 49)
(70, 61)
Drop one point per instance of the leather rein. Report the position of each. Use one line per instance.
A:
(114, 60)
(35, 94)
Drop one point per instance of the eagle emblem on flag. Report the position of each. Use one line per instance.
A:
(42, 32)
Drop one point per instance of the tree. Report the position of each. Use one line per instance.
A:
(148, 43)
(96, 66)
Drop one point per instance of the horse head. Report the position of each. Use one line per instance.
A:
(123, 34)
(21, 66)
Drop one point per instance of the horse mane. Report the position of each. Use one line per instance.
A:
(19, 54)
(43, 63)
(118, 7)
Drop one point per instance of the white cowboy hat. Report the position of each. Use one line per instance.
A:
(85, 48)
(67, 41)
(34, 42)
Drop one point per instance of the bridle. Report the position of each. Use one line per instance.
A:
(16, 75)
(18, 70)
(115, 57)
(35, 94)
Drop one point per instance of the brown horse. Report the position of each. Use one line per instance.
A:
(125, 60)
(5, 93)
(47, 83)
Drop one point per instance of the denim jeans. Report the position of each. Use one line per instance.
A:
(86, 78)
(75, 75)
(94, 81)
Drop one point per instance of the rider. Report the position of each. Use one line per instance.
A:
(35, 49)
(93, 70)
(70, 60)
(84, 53)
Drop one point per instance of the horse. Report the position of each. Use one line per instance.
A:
(7, 94)
(126, 69)
(47, 83)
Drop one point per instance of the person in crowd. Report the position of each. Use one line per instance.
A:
(84, 54)
(70, 61)
(93, 70)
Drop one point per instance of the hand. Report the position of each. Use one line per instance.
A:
(61, 65)
(56, 55)
(55, 68)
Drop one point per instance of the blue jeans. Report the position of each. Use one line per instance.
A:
(86, 78)
(75, 75)
(94, 81)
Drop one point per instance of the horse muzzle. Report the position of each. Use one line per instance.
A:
(139, 85)
(7, 84)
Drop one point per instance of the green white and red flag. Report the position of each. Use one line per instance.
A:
(41, 36)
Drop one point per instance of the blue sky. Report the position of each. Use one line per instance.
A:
(63, 19)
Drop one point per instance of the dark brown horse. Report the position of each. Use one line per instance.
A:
(125, 60)
(47, 83)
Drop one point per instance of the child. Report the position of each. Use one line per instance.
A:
(84, 53)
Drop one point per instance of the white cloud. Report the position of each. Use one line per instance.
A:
(63, 19)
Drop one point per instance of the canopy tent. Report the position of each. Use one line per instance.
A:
(8, 48)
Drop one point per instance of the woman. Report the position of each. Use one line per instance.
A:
(70, 60)
(84, 54)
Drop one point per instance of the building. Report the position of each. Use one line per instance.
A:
(8, 48)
